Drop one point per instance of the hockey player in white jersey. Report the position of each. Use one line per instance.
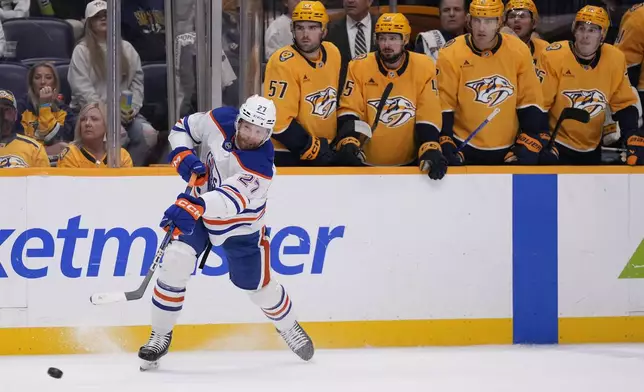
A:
(235, 170)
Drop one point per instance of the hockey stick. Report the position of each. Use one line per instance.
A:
(478, 129)
(568, 114)
(106, 298)
(381, 106)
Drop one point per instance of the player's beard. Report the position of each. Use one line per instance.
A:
(243, 144)
(390, 59)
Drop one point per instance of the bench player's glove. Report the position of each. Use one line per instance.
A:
(525, 151)
(186, 162)
(635, 147)
(317, 151)
(432, 161)
(548, 156)
(449, 151)
(183, 214)
(349, 152)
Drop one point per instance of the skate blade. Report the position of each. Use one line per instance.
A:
(148, 365)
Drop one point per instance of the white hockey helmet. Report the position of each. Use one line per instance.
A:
(259, 111)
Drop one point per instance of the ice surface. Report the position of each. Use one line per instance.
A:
(584, 368)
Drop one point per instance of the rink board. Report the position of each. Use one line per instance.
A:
(371, 257)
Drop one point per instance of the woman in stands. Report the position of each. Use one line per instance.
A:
(89, 150)
(88, 80)
(41, 114)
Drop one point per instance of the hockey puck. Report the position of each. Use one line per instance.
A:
(55, 372)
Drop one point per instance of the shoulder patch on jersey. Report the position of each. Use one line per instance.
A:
(449, 43)
(64, 152)
(635, 7)
(555, 46)
(285, 55)
(259, 161)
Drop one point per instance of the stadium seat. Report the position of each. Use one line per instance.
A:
(13, 77)
(40, 37)
(53, 60)
(155, 107)
(65, 89)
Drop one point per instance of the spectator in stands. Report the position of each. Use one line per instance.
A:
(88, 80)
(12, 9)
(143, 25)
(42, 115)
(452, 16)
(17, 150)
(279, 32)
(89, 150)
(3, 41)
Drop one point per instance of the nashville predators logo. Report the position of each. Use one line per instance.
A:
(323, 102)
(540, 74)
(491, 90)
(12, 161)
(592, 101)
(396, 112)
(285, 56)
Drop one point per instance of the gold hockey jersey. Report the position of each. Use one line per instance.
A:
(23, 151)
(304, 91)
(537, 45)
(567, 83)
(474, 83)
(630, 39)
(413, 100)
(74, 156)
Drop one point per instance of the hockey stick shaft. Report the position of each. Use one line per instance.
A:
(111, 297)
(478, 129)
(568, 113)
(379, 109)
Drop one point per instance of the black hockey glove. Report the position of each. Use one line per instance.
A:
(318, 152)
(432, 161)
(449, 151)
(349, 153)
(525, 151)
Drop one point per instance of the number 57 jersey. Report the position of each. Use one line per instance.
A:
(238, 180)
(305, 92)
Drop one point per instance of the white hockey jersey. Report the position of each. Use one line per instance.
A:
(238, 180)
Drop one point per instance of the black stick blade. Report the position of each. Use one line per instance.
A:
(576, 114)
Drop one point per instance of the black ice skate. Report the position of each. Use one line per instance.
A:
(154, 349)
(298, 341)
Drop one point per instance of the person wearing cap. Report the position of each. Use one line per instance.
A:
(89, 150)
(42, 112)
(588, 74)
(17, 150)
(88, 80)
